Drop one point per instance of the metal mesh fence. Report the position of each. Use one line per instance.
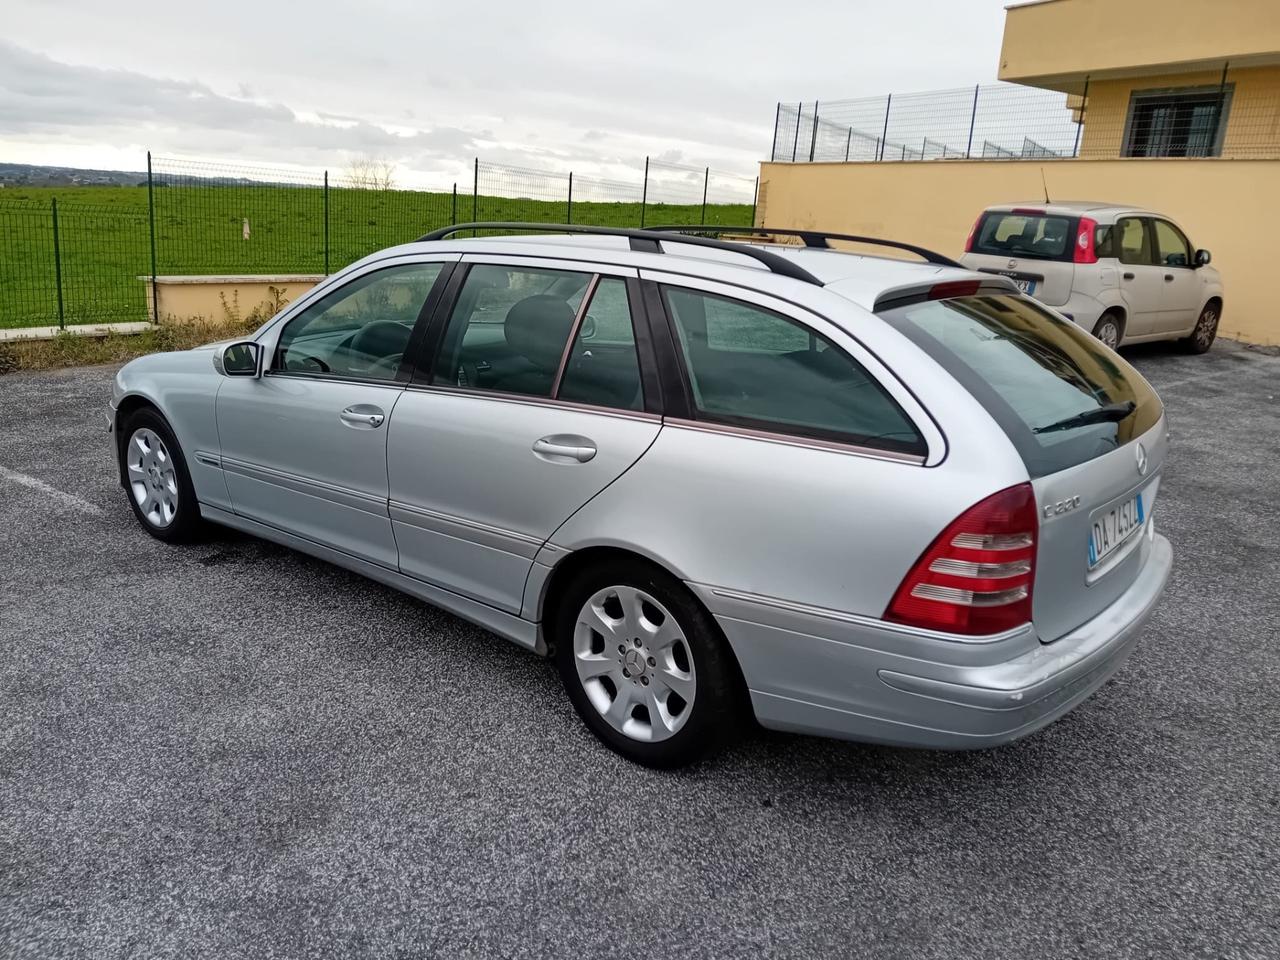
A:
(1202, 115)
(213, 218)
(72, 264)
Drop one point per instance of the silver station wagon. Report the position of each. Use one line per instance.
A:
(714, 479)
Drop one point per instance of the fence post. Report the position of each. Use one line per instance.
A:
(795, 143)
(568, 217)
(847, 144)
(326, 223)
(1084, 97)
(973, 117)
(453, 217)
(644, 191)
(706, 179)
(813, 141)
(884, 136)
(773, 147)
(57, 266)
(475, 195)
(755, 195)
(151, 225)
(1217, 112)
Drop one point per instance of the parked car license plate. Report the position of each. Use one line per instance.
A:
(1112, 529)
(1026, 286)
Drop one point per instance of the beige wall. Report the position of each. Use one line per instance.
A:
(1055, 44)
(1253, 113)
(217, 299)
(1227, 206)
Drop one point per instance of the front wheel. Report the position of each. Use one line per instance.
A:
(644, 664)
(156, 478)
(1205, 332)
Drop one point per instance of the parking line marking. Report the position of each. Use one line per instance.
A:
(68, 499)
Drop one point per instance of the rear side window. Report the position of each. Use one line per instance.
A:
(751, 367)
(1060, 396)
(1038, 236)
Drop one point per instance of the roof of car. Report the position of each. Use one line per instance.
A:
(859, 277)
(1072, 207)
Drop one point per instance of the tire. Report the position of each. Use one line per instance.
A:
(1205, 331)
(1109, 330)
(156, 479)
(628, 629)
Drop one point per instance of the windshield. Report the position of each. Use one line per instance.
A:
(1060, 395)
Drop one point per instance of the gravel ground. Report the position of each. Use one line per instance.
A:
(231, 750)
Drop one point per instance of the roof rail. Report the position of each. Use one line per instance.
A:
(819, 238)
(648, 241)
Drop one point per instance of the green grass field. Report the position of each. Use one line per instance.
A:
(104, 236)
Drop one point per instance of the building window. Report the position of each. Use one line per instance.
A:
(1187, 122)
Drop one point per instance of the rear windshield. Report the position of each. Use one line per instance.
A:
(1024, 235)
(1060, 395)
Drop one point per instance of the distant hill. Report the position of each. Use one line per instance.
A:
(28, 175)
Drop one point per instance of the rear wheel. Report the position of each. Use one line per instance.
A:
(1109, 330)
(645, 665)
(1205, 332)
(156, 478)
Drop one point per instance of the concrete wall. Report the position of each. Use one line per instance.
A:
(183, 299)
(1056, 43)
(1230, 207)
(1253, 110)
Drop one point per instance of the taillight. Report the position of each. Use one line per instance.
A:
(1085, 251)
(976, 577)
(973, 231)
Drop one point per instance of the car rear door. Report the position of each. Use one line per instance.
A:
(1029, 246)
(533, 397)
(1141, 281)
(1088, 427)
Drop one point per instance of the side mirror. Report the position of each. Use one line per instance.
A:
(240, 359)
(1202, 258)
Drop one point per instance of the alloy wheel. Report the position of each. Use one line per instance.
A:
(1206, 328)
(634, 663)
(1109, 334)
(153, 481)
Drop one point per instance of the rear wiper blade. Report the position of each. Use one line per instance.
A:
(1107, 413)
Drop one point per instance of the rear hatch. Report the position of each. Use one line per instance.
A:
(1032, 247)
(1088, 427)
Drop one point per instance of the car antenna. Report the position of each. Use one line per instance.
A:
(1044, 183)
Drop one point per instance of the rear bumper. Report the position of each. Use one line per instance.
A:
(857, 679)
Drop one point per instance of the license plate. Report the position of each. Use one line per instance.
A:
(1112, 529)
(1026, 286)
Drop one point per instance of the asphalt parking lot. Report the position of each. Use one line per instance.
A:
(232, 750)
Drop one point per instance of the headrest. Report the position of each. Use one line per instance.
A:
(537, 327)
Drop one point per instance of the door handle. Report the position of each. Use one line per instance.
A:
(1128, 276)
(1168, 278)
(564, 448)
(362, 416)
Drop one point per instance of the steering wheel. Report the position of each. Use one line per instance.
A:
(316, 361)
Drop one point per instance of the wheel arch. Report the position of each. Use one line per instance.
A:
(562, 573)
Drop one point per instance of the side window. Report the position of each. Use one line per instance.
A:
(1171, 246)
(509, 328)
(1134, 242)
(1103, 243)
(359, 330)
(603, 368)
(755, 368)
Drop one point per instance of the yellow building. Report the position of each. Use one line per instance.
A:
(1170, 106)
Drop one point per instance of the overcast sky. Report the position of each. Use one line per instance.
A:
(592, 87)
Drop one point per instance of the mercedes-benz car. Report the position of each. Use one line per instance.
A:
(1126, 274)
(714, 479)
